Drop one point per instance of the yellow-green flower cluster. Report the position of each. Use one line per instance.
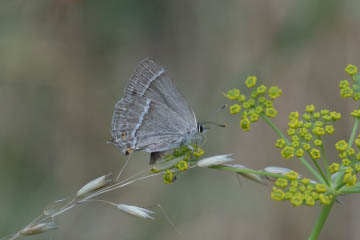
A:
(299, 191)
(350, 161)
(179, 161)
(306, 132)
(352, 89)
(260, 102)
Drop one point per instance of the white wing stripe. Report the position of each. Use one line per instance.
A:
(138, 125)
(158, 74)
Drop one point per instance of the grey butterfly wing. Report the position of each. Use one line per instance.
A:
(144, 124)
(150, 80)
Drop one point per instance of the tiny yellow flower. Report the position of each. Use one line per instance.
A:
(341, 145)
(306, 116)
(310, 108)
(351, 69)
(316, 115)
(356, 95)
(254, 94)
(295, 138)
(324, 199)
(308, 125)
(315, 195)
(293, 123)
(259, 109)
(268, 104)
(235, 108)
(292, 175)
(293, 189)
(299, 152)
(293, 115)
(326, 117)
(241, 98)
(303, 132)
(329, 129)
(318, 124)
(357, 142)
(277, 194)
(334, 167)
(291, 131)
(350, 179)
(344, 84)
(294, 183)
(302, 188)
(346, 92)
(324, 111)
(295, 144)
(297, 199)
(356, 113)
(288, 195)
(233, 94)
(309, 201)
(305, 181)
(261, 89)
(182, 165)
(168, 177)
(281, 182)
(346, 162)
(319, 131)
(357, 167)
(280, 143)
(318, 142)
(343, 155)
(250, 81)
(315, 153)
(253, 117)
(350, 151)
(251, 102)
(309, 188)
(245, 124)
(271, 112)
(349, 170)
(287, 152)
(306, 146)
(335, 115)
(320, 188)
(246, 105)
(274, 92)
(199, 152)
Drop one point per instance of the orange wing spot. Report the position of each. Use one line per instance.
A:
(123, 135)
(128, 151)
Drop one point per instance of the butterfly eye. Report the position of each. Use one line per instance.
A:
(201, 128)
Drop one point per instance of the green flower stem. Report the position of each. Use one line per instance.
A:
(320, 221)
(303, 161)
(326, 164)
(353, 132)
(320, 171)
(349, 190)
(246, 170)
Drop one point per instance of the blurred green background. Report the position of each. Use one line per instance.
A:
(65, 63)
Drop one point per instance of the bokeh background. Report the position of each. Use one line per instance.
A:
(65, 63)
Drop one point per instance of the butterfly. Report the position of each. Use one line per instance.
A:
(153, 116)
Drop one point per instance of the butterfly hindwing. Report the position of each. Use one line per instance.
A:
(147, 125)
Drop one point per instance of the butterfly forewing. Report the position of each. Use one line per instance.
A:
(150, 80)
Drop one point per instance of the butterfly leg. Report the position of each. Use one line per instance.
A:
(123, 168)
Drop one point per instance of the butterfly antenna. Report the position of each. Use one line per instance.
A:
(214, 123)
